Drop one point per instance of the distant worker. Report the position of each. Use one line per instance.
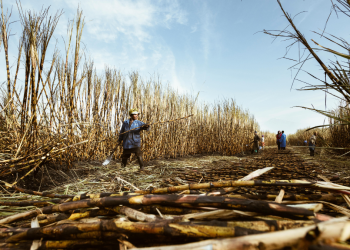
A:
(262, 141)
(312, 144)
(305, 142)
(278, 139)
(283, 141)
(256, 142)
(132, 139)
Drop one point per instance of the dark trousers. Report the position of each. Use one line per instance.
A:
(127, 153)
(312, 149)
(283, 148)
(279, 145)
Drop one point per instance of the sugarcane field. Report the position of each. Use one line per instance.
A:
(174, 125)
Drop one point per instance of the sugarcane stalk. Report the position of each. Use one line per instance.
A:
(7, 232)
(330, 246)
(59, 244)
(264, 226)
(315, 207)
(96, 235)
(183, 200)
(38, 211)
(91, 213)
(21, 216)
(16, 246)
(336, 230)
(317, 185)
(101, 195)
(170, 229)
(250, 176)
(334, 198)
(168, 210)
(29, 203)
(222, 214)
(49, 220)
(134, 214)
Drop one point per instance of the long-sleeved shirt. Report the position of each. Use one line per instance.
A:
(312, 140)
(131, 139)
(256, 142)
(283, 140)
(278, 137)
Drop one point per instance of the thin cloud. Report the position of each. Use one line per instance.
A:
(206, 30)
(170, 12)
(131, 28)
(134, 19)
(194, 28)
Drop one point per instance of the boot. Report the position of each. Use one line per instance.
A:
(140, 160)
(124, 162)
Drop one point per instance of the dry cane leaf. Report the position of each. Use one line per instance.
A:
(36, 243)
(346, 198)
(337, 208)
(256, 173)
(323, 178)
(279, 198)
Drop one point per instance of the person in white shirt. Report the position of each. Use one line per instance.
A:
(262, 141)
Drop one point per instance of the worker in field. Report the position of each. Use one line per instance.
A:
(283, 141)
(132, 139)
(256, 143)
(312, 144)
(278, 139)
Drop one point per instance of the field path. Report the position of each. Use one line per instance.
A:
(288, 164)
(293, 163)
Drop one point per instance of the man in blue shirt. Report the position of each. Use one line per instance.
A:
(283, 141)
(132, 139)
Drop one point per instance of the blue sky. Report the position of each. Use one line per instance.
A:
(212, 47)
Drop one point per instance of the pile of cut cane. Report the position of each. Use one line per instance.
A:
(178, 217)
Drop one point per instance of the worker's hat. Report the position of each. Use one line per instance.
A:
(133, 112)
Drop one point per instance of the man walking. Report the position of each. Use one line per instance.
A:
(132, 139)
(312, 144)
(256, 142)
(283, 141)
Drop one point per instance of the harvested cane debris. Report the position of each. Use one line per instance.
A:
(203, 209)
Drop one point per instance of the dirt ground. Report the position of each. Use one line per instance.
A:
(330, 163)
(293, 163)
